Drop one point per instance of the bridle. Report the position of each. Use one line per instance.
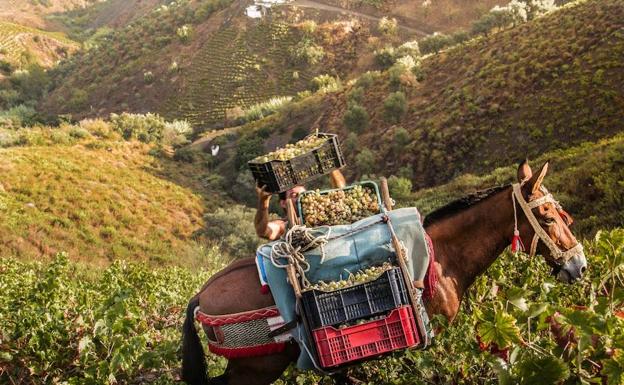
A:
(560, 257)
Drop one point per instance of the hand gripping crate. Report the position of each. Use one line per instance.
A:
(368, 299)
(339, 346)
(279, 176)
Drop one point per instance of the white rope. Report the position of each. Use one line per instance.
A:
(298, 240)
(557, 254)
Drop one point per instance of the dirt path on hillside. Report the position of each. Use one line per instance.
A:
(326, 7)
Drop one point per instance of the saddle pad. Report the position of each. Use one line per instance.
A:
(359, 245)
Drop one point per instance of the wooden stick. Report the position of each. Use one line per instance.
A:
(402, 260)
(290, 269)
(385, 194)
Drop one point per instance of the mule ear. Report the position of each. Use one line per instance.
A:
(524, 171)
(536, 181)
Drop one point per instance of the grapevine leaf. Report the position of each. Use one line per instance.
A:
(499, 328)
(613, 368)
(546, 370)
(537, 309)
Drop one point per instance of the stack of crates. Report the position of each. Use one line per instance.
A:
(384, 299)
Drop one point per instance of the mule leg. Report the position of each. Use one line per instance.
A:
(260, 370)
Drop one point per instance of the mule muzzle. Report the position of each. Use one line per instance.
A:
(573, 269)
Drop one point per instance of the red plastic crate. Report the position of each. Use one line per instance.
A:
(338, 346)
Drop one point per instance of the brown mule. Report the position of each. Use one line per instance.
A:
(468, 235)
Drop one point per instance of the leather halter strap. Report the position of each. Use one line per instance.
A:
(540, 234)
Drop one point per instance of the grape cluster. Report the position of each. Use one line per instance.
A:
(292, 150)
(339, 207)
(362, 276)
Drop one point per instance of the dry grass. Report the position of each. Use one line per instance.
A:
(98, 201)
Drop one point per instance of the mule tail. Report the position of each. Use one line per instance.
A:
(193, 361)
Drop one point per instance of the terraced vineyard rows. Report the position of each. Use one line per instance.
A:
(14, 39)
(239, 69)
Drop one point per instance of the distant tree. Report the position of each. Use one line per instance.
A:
(434, 43)
(249, 147)
(355, 95)
(401, 136)
(385, 57)
(395, 107)
(365, 161)
(356, 118)
(351, 143)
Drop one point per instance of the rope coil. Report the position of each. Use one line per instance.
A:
(297, 241)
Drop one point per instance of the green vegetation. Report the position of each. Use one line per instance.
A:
(587, 180)
(120, 324)
(524, 91)
(82, 189)
(21, 45)
(66, 322)
(356, 118)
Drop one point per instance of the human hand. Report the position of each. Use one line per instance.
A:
(262, 194)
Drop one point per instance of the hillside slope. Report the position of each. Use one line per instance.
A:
(546, 84)
(205, 61)
(98, 199)
(20, 44)
(33, 13)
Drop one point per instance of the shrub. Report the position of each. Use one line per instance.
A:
(367, 79)
(409, 48)
(184, 33)
(434, 43)
(98, 127)
(308, 27)
(306, 51)
(264, 109)
(387, 26)
(355, 95)
(365, 161)
(400, 74)
(249, 147)
(356, 118)
(78, 132)
(18, 116)
(395, 106)
(185, 154)
(148, 77)
(233, 229)
(325, 83)
(146, 128)
(400, 188)
(351, 143)
(78, 100)
(176, 133)
(385, 57)
(401, 136)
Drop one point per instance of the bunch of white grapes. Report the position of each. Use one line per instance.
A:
(339, 207)
(362, 276)
(292, 150)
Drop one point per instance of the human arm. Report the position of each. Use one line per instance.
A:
(337, 180)
(265, 228)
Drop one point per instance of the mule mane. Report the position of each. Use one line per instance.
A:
(461, 204)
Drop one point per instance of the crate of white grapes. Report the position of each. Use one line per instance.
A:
(339, 206)
(381, 289)
(297, 163)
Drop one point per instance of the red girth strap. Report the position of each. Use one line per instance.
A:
(226, 319)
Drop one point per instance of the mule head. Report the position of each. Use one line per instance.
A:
(563, 253)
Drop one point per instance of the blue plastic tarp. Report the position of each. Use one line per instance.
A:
(351, 248)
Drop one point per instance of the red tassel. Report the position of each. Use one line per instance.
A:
(516, 242)
(264, 289)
